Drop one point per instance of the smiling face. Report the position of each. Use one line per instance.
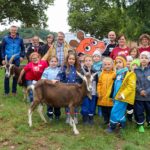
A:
(107, 65)
(88, 61)
(53, 62)
(71, 59)
(96, 58)
(112, 36)
(119, 64)
(122, 41)
(35, 59)
(144, 60)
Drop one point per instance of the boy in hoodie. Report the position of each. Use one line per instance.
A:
(142, 99)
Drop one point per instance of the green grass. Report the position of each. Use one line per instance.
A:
(16, 134)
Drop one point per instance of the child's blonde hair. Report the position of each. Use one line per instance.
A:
(88, 56)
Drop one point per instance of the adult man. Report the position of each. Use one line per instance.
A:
(59, 49)
(12, 44)
(111, 44)
(34, 47)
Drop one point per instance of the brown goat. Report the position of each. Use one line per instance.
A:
(60, 95)
(12, 70)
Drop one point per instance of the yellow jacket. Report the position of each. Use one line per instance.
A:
(104, 86)
(52, 51)
(127, 89)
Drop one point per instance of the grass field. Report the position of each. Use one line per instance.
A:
(16, 134)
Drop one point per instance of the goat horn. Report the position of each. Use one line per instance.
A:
(84, 70)
(6, 61)
(12, 58)
(80, 75)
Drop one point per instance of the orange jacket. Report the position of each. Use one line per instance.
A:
(104, 86)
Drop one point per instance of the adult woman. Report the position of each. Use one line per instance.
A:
(121, 49)
(144, 41)
(50, 40)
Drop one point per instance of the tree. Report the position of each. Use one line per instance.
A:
(98, 17)
(29, 12)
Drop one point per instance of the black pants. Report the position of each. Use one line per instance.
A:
(106, 111)
(139, 108)
(130, 112)
(53, 110)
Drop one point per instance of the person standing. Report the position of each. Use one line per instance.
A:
(34, 47)
(60, 49)
(12, 45)
(145, 43)
(111, 44)
(50, 42)
(121, 49)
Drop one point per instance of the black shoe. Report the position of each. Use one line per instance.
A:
(85, 120)
(91, 120)
(57, 118)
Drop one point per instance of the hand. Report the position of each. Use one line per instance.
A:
(21, 59)
(120, 97)
(143, 93)
(54, 81)
(19, 80)
(3, 62)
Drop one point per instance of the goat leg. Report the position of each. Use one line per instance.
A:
(40, 110)
(72, 123)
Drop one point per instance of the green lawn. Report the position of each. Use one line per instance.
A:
(16, 134)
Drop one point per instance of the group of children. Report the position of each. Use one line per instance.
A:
(120, 84)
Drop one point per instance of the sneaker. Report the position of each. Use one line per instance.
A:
(14, 94)
(109, 130)
(91, 120)
(85, 120)
(57, 118)
(141, 129)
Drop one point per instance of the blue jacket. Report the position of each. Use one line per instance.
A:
(70, 77)
(97, 66)
(142, 83)
(11, 46)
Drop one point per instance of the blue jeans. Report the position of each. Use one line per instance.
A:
(14, 83)
(29, 82)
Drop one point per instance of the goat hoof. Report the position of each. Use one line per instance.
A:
(76, 132)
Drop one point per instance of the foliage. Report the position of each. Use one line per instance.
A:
(99, 17)
(56, 135)
(29, 32)
(29, 12)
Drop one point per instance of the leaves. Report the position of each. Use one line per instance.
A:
(30, 12)
(100, 16)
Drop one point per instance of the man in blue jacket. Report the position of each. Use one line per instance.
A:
(12, 44)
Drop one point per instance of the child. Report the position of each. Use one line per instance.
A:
(104, 87)
(33, 71)
(142, 99)
(97, 63)
(129, 60)
(130, 108)
(134, 52)
(81, 58)
(88, 105)
(68, 75)
(97, 66)
(122, 94)
(50, 73)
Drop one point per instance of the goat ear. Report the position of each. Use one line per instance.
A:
(80, 75)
